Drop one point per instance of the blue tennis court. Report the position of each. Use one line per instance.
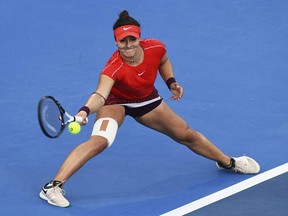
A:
(268, 198)
(231, 59)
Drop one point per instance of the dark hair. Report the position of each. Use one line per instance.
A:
(125, 19)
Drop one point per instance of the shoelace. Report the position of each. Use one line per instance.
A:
(62, 191)
(57, 193)
(56, 189)
(242, 168)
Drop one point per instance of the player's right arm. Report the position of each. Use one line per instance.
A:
(97, 99)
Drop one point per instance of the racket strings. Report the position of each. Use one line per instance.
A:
(51, 117)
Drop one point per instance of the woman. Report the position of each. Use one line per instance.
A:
(126, 87)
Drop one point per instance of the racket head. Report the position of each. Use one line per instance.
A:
(51, 116)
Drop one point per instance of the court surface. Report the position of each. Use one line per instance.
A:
(231, 59)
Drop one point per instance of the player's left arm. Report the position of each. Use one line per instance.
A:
(167, 74)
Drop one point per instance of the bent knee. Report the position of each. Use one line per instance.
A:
(96, 144)
(188, 137)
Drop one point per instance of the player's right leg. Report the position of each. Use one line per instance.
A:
(109, 118)
(53, 194)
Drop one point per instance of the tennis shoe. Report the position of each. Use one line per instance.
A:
(244, 165)
(54, 194)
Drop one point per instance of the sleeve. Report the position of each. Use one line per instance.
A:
(162, 50)
(159, 48)
(112, 67)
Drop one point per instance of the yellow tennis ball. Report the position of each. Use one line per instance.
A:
(74, 127)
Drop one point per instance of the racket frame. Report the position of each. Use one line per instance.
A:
(62, 113)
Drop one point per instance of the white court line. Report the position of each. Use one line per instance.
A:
(193, 206)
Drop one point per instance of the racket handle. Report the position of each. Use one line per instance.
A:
(79, 119)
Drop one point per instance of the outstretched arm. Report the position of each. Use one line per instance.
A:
(97, 99)
(167, 74)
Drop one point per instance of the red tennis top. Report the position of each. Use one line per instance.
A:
(135, 82)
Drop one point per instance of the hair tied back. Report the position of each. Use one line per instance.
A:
(124, 15)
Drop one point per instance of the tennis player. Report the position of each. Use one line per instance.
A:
(126, 87)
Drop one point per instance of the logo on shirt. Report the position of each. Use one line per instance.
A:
(140, 74)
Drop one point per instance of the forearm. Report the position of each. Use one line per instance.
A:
(98, 98)
(93, 104)
(167, 74)
(166, 70)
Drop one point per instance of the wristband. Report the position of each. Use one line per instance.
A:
(85, 109)
(170, 81)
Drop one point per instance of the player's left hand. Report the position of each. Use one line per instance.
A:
(177, 91)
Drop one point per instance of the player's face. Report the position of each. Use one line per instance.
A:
(128, 46)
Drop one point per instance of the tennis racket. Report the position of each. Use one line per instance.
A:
(53, 118)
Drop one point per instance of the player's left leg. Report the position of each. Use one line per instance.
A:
(165, 120)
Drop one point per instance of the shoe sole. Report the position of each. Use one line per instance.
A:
(43, 196)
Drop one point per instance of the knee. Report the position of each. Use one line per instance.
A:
(190, 137)
(95, 145)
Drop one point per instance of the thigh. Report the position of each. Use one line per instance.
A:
(165, 120)
(116, 112)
